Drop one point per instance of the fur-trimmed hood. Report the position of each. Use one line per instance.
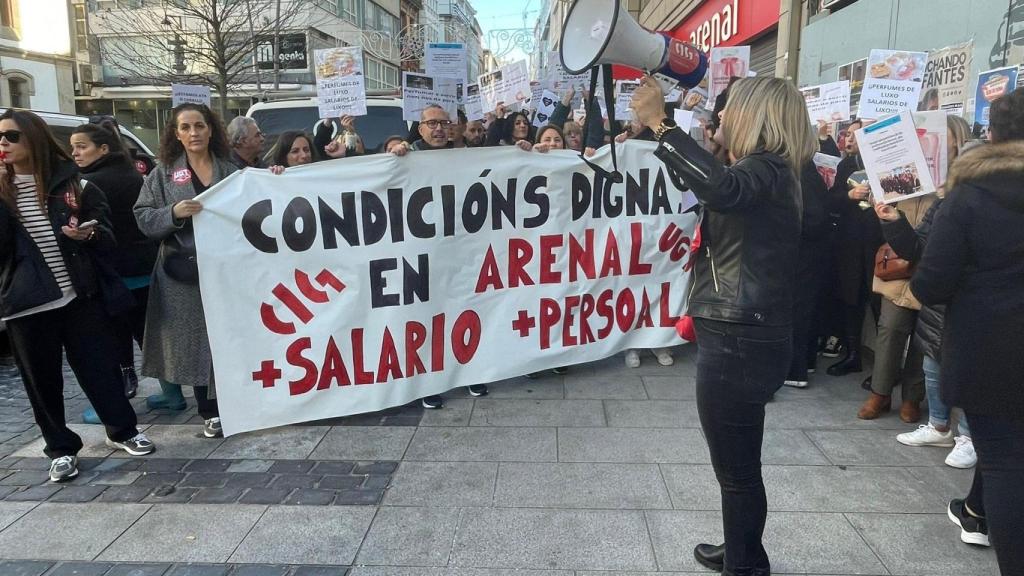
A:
(995, 169)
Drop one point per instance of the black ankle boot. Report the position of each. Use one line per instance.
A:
(710, 556)
(130, 380)
(850, 363)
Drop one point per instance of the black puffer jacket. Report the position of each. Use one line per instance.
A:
(750, 232)
(120, 182)
(25, 279)
(908, 243)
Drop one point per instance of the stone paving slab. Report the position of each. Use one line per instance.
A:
(922, 544)
(429, 571)
(554, 539)
(11, 511)
(93, 436)
(661, 445)
(673, 387)
(946, 482)
(180, 441)
(583, 485)
(293, 535)
(526, 413)
(652, 413)
(404, 536)
(274, 444)
(793, 447)
(364, 443)
(68, 531)
(829, 414)
(456, 412)
(443, 484)
(174, 533)
(872, 448)
(546, 386)
(605, 388)
(480, 444)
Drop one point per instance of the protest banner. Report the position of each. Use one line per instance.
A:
(893, 159)
(993, 85)
(828, 102)
(446, 61)
(545, 107)
(369, 282)
(946, 79)
(340, 84)
(474, 111)
(509, 84)
(727, 63)
(933, 133)
(855, 73)
(420, 91)
(827, 166)
(893, 82)
(189, 94)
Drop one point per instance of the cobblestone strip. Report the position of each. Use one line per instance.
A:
(46, 568)
(213, 481)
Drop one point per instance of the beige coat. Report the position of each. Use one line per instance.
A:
(898, 291)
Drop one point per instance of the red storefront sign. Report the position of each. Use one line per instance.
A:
(727, 22)
(720, 23)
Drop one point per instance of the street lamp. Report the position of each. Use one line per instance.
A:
(177, 46)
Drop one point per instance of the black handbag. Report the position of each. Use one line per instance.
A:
(180, 262)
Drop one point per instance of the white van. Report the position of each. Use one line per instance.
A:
(61, 125)
(383, 119)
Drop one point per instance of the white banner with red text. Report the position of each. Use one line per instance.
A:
(354, 285)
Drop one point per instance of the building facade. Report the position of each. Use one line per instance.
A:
(458, 19)
(37, 62)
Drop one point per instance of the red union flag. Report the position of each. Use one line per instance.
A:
(359, 284)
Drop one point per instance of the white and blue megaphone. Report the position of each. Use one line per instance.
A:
(600, 32)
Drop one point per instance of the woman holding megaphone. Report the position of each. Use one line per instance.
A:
(742, 286)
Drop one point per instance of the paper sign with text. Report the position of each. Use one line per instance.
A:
(189, 94)
(829, 102)
(947, 78)
(365, 283)
(895, 165)
(340, 84)
(893, 82)
(509, 84)
(420, 91)
(446, 61)
(727, 63)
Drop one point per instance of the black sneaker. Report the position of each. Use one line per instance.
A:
(477, 390)
(972, 530)
(137, 445)
(212, 428)
(131, 381)
(833, 348)
(63, 468)
(433, 402)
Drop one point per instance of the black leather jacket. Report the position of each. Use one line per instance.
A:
(750, 232)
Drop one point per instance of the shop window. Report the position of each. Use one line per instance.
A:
(19, 91)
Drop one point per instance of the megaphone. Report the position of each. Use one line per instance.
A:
(602, 32)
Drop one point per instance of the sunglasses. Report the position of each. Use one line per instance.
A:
(13, 136)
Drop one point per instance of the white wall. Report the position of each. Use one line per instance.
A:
(45, 83)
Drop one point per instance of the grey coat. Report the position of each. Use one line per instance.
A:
(176, 347)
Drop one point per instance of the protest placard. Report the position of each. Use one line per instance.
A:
(727, 63)
(545, 107)
(946, 79)
(561, 80)
(624, 95)
(446, 61)
(509, 84)
(474, 111)
(827, 166)
(420, 91)
(893, 159)
(855, 73)
(893, 82)
(933, 133)
(340, 84)
(828, 102)
(189, 94)
(993, 85)
(403, 280)
(684, 119)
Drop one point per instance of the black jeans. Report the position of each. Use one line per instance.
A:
(131, 326)
(83, 330)
(999, 441)
(739, 368)
(805, 312)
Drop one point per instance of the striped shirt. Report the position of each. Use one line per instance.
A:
(36, 221)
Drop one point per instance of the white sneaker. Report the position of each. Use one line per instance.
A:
(632, 359)
(926, 435)
(664, 356)
(796, 383)
(962, 455)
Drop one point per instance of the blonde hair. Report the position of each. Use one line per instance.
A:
(768, 115)
(961, 132)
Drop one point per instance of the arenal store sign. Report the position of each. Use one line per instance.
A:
(727, 22)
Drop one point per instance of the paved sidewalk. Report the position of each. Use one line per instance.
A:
(601, 472)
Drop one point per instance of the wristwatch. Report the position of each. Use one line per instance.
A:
(666, 125)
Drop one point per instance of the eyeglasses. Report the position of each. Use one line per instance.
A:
(13, 136)
(434, 124)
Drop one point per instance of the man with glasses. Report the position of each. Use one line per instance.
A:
(246, 141)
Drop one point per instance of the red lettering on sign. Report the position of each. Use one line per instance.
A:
(294, 357)
(388, 367)
(334, 369)
(612, 262)
(636, 267)
(548, 243)
(415, 337)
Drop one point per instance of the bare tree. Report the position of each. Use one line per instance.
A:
(212, 42)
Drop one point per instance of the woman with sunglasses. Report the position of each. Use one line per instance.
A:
(194, 155)
(103, 161)
(56, 294)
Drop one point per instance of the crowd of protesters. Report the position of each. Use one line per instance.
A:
(97, 254)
